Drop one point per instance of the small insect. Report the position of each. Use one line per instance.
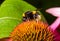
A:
(31, 15)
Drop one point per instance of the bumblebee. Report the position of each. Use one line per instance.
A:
(31, 15)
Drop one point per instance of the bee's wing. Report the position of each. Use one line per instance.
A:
(55, 11)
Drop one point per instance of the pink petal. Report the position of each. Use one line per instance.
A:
(57, 33)
(54, 11)
(55, 24)
(5, 39)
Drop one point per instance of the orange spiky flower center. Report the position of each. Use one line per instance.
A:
(32, 31)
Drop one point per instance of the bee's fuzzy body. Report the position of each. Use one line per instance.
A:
(31, 15)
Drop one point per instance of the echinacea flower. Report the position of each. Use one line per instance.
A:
(55, 12)
(32, 31)
(5, 39)
(56, 24)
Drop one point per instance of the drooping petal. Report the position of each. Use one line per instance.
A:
(5, 39)
(57, 33)
(55, 24)
(54, 11)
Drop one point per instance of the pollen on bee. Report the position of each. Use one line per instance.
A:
(33, 12)
(23, 15)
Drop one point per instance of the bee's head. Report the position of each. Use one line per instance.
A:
(30, 15)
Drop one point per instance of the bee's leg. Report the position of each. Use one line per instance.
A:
(24, 19)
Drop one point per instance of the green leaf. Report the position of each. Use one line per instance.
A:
(11, 15)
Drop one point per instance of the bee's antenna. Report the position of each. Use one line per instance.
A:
(38, 9)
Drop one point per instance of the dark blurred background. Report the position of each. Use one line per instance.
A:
(1, 1)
